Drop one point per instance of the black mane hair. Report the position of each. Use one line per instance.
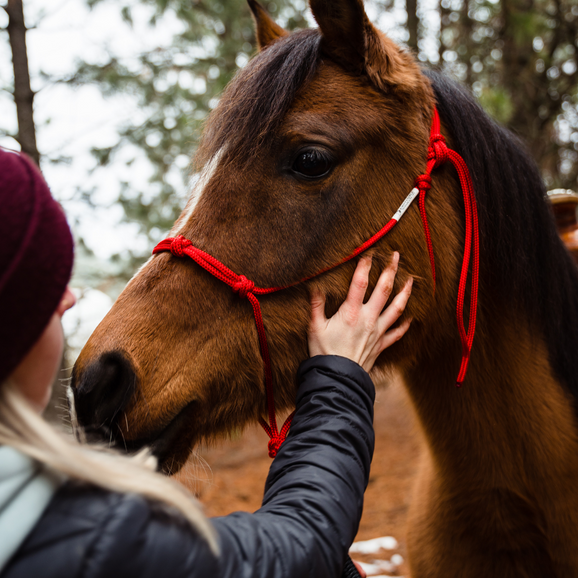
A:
(522, 256)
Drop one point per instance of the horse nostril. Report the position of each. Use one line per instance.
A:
(102, 391)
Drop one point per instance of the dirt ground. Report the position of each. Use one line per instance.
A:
(231, 476)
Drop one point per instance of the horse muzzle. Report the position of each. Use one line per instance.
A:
(101, 393)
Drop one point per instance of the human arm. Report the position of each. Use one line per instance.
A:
(314, 491)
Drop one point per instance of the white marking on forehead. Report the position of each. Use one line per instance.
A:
(198, 184)
(197, 187)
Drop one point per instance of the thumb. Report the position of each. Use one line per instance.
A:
(317, 307)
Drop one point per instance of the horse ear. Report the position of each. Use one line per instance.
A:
(342, 24)
(351, 40)
(266, 30)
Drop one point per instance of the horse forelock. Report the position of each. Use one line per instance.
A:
(257, 99)
(524, 265)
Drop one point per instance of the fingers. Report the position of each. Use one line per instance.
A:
(359, 283)
(384, 287)
(357, 331)
(385, 336)
(393, 335)
(386, 340)
(394, 310)
(317, 308)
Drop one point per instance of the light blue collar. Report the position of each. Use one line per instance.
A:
(26, 488)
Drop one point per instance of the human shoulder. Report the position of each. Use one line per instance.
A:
(90, 532)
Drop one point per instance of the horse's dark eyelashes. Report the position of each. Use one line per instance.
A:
(312, 163)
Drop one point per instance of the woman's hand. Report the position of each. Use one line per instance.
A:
(360, 331)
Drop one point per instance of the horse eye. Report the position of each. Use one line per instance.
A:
(312, 164)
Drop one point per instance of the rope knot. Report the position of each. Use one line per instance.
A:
(274, 445)
(243, 286)
(423, 182)
(178, 246)
(438, 149)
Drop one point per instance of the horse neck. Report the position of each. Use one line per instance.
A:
(511, 412)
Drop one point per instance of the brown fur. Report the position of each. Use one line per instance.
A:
(496, 495)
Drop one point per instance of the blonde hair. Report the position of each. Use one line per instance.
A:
(26, 431)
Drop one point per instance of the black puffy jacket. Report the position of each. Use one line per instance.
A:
(309, 517)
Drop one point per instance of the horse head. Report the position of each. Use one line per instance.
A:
(310, 151)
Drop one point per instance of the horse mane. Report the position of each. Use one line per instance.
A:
(242, 123)
(523, 261)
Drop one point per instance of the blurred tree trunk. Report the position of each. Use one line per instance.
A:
(518, 75)
(467, 33)
(23, 95)
(412, 24)
(444, 25)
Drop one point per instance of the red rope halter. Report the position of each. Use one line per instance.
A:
(438, 153)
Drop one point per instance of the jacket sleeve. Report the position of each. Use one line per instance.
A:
(314, 492)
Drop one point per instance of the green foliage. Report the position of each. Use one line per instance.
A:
(497, 103)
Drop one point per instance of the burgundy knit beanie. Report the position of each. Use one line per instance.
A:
(36, 253)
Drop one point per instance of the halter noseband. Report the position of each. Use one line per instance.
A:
(438, 153)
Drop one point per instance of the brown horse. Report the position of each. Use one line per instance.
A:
(312, 148)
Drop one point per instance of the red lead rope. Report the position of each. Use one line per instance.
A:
(438, 153)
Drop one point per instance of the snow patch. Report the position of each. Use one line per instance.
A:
(373, 546)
